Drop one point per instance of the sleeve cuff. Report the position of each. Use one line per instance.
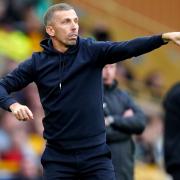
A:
(8, 103)
(164, 41)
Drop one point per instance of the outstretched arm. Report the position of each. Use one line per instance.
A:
(112, 52)
(172, 36)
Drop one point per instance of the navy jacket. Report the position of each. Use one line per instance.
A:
(70, 86)
(117, 102)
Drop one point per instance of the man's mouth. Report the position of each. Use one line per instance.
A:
(73, 36)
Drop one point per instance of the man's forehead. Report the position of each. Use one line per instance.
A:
(110, 65)
(63, 14)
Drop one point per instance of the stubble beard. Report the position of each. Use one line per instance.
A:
(71, 42)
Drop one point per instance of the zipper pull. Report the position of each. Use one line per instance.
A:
(60, 86)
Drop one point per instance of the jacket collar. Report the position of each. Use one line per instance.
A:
(47, 45)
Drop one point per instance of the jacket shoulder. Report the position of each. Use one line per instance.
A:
(37, 56)
(87, 41)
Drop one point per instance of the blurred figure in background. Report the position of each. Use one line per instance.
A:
(149, 144)
(123, 118)
(154, 83)
(171, 134)
(29, 170)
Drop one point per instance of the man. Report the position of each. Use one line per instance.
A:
(123, 118)
(171, 134)
(68, 76)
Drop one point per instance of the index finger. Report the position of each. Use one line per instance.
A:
(29, 113)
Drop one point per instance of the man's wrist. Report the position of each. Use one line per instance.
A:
(12, 106)
(165, 37)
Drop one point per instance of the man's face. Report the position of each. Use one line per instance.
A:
(64, 27)
(109, 73)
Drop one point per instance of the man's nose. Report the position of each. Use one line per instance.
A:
(74, 26)
(108, 71)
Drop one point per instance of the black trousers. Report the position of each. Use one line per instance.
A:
(84, 164)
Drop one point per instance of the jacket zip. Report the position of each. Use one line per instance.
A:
(61, 69)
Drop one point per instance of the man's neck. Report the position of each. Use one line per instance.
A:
(59, 46)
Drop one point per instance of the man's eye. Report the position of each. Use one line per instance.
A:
(76, 20)
(65, 21)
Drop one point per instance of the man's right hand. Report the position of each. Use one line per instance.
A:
(172, 36)
(21, 112)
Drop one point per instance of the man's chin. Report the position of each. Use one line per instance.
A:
(72, 42)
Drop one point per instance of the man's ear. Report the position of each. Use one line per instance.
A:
(50, 31)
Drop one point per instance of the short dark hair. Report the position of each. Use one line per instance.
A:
(52, 9)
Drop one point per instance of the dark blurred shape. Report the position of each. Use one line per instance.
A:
(101, 33)
(124, 72)
(155, 84)
(171, 131)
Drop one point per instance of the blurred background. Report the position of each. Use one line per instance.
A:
(147, 78)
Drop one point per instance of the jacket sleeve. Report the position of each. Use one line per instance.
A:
(14, 81)
(112, 52)
(114, 135)
(131, 125)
